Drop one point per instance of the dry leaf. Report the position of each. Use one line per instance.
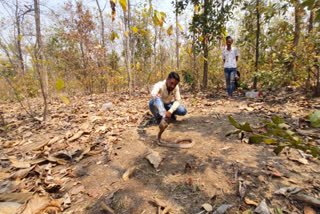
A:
(250, 202)
(76, 136)
(9, 207)
(22, 173)
(15, 197)
(129, 172)
(19, 164)
(36, 205)
(309, 210)
(207, 207)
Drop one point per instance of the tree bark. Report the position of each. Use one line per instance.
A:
(257, 43)
(177, 39)
(103, 43)
(310, 28)
(205, 47)
(297, 29)
(42, 78)
(127, 42)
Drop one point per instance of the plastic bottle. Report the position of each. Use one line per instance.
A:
(106, 106)
(158, 102)
(253, 94)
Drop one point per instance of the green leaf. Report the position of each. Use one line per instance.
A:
(233, 132)
(278, 149)
(134, 29)
(123, 4)
(59, 85)
(289, 132)
(315, 119)
(65, 99)
(270, 141)
(278, 210)
(180, 27)
(276, 120)
(283, 126)
(315, 152)
(169, 31)
(308, 3)
(143, 32)
(233, 122)
(246, 127)
(113, 36)
(255, 139)
(317, 19)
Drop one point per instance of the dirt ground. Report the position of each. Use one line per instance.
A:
(209, 172)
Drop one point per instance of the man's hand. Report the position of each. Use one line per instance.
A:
(168, 114)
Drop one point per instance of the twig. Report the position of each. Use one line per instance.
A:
(2, 119)
(106, 207)
(166, 210)
(307, 199)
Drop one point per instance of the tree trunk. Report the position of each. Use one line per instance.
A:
(177, 40)
(42, 78)
(205, 47)
(103, 43)
(310, 28)
(257, 43)
(127, 42)
(297, 29)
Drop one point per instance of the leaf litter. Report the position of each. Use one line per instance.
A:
(39, 158)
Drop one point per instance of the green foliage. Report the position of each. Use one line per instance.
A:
(315, 119)
(59, 85)
(276, 133)
(188, 77)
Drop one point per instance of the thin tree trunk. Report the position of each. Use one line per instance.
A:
(205, 47)
(20, 56)
(42, 78)
(154, 49)
(257, 43)
(103, 43)
(127, 42)
(310, 28)
(177, 39)
(297, 29)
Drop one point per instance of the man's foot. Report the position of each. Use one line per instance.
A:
(173, 118)
(229, 97)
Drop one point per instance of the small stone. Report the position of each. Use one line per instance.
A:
(154, 158)
(207, 207)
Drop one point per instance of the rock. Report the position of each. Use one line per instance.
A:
(207, 207)
(262, 208)
(106, 106)
(154, 158)
(222, 209)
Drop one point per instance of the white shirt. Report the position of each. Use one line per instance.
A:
(230, 57)
(160, 89)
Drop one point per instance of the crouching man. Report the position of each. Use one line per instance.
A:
(165, 99)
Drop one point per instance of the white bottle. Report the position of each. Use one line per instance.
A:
(106, 106)
(253, 94)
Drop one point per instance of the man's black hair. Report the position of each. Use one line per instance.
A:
(174, 75)
(228, 37)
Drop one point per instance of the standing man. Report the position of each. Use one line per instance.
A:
(165, 99)
(230, 57)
